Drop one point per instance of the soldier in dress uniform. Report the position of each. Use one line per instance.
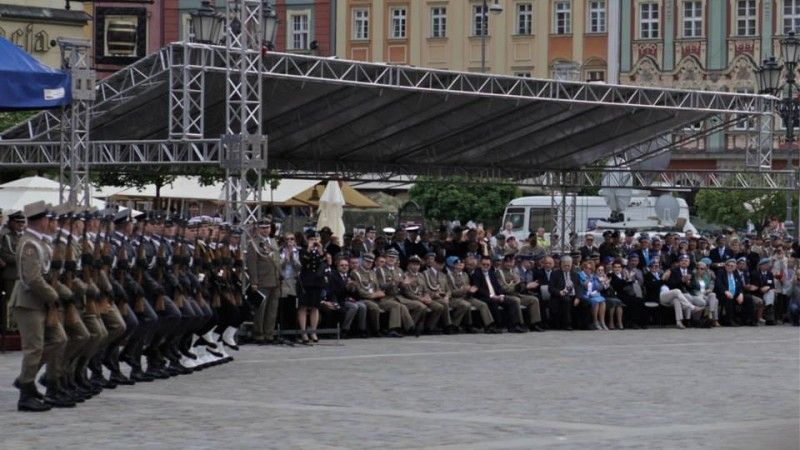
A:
(413, 288)
(35, 303)
(512, 286)
(9, 272)
(461, 290)
(390, 277)
(437, 285)
(263, 263)
(370, 291)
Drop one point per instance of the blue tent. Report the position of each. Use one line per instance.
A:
(26, 83)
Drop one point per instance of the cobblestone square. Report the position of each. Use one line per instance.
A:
(662, 388)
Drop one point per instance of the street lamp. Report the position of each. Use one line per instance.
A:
(269, 21)
(495, 9)
(206, 24)
(769, 80)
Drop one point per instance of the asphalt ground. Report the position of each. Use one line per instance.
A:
(729, 388)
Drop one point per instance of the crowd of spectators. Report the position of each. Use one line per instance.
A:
(473, 279)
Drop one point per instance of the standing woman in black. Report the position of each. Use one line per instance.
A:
(312, 280)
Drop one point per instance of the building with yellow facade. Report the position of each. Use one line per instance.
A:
(533, 38)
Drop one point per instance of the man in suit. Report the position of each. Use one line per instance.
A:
(720, 253)
(491, 292)
(565, 293)
(35, 302)
(588, 247)
(512, 285)
(683, 279)
(644, 252)
(753, 303)
(729, 290)
(263, 264)
(343, 291)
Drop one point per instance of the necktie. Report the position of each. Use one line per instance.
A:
(731, 284)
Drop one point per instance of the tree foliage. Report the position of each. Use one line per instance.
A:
(136, 179)
(462, 199)
(727, 206)
(11, 118)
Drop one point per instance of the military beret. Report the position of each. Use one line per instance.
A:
(706, 261)
(453, 260)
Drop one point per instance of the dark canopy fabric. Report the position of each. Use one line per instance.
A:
(26, 83)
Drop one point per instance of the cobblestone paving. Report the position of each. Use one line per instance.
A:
(663, 388)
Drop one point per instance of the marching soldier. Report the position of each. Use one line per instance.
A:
(264, 269)
(376, 299)
(35, 302)
(512, 286)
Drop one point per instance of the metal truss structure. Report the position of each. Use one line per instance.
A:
(74, 161)
(190, 105)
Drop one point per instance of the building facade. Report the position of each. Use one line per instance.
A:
(33, 25)
(708, 45)
(532, 38)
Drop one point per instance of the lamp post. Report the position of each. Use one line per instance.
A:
(495, 9)
(770, 82)
(269, 22)
(207, 24)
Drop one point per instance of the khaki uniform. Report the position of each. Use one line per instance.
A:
(367, 284)
(510, 283)
(416, 290)
(437, 284)
(389, 280)
(78, 335)
(263, 262)
(98, 334)
(9, 273)
(459, 288)
(30, 299)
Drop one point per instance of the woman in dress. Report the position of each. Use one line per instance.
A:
(591, 293)
(312, 280)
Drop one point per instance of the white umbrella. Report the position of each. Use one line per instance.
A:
(18, 193)
(331, 206)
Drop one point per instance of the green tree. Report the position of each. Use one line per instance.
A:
(463, 199)
(11, 118)
(727, 206)
(136, 179)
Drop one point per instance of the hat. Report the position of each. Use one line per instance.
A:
(369, 257)
(389, 230)
(730, 260)
(412, 228)
(453, 260)
(236, 231)
(683, 256)
(764, 261)
(430, 254)
(593, 255)
(369, 228)
(414, 259)
(392, 253)
(122, 216)
(633, 255)
(496, 258)
(263, 223)
(139, 216)
(311, 233)
(742, 259)
(35, 210)
(16, 215)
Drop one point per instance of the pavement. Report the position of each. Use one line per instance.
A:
(730, 388)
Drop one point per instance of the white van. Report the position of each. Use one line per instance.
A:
(527, 214)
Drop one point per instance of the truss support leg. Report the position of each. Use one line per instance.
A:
(75, 123)
(187, 93)
(563, 202)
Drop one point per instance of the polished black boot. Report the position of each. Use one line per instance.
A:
(30, 399)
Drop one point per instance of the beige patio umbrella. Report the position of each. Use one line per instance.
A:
(331, 209)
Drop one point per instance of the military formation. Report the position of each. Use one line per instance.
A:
(92, 290)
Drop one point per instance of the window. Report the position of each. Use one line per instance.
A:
(649, 19)
(791, 15)
(439, 22)
(746, 122)
(692, 19)
(524, 18)
(299, 32)
(595, 75)
(597, 16)
(516, 216)
(480, 21)
(562, 20)
(693, 127)
(398, 30)
(540, 218)
(523, 74)
(360, 24)
(746, 18)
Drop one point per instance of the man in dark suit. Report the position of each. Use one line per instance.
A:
(341, 293)
(565, 293)
(588, 247)
(490, 292)
(644, 252)
(764, 281)
(730, 292)
(720, 253)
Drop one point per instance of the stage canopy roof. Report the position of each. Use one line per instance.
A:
(328, 117)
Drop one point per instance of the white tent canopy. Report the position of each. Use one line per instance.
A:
(16, 194)
(190, 188)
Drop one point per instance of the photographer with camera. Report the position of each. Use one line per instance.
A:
(312, 281)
